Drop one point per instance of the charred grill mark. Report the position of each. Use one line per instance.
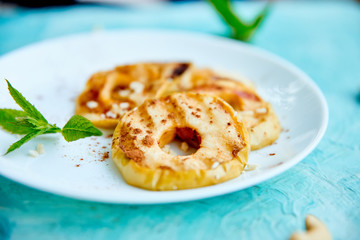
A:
(148, 118)
(165, 167)
(152, 102)
(179, 69)
(236, 150)
(175, 110)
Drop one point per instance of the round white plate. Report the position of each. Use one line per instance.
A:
(51, 74)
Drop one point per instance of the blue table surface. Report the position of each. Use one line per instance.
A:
(321, 38)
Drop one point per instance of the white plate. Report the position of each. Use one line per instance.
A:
(52, 73)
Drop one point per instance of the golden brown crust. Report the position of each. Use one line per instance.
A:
(109, 95)
(223, 144)
(257, 114)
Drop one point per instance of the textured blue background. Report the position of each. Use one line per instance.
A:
(323, 39)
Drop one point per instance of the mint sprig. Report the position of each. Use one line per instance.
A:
(241, 30)
(31, 123)
(79, 127)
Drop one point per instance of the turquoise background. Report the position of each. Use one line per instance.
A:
(321, 38)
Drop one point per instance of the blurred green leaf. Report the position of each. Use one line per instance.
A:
(241, 30)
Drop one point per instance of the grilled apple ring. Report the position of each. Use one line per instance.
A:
(109, 95)
(203, 121)
(257, 114)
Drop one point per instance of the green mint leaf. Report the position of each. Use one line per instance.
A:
(32, 123)
(24, 104)
(25, 139)
(29, 121)
(79, 127)
(241, 30)
(9, 122)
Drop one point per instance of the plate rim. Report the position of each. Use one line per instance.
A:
(271, 173)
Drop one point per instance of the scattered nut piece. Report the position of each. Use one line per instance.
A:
(33, 153)
(124, 105)
(247, 112)
(251, 167)
(117, 109)
(184, 146)
(138, 87)
(261, 110)
(40, 148)
(92, 104)
(110, 114)
(215, 165)
(315, 230)
(124, 93)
